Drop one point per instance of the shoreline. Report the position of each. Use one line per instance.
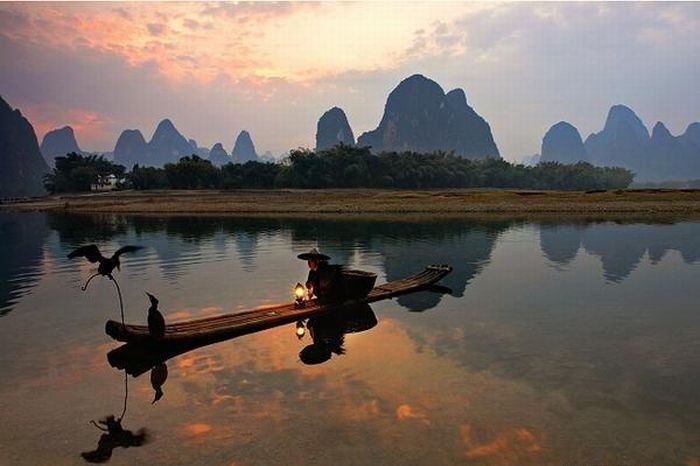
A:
(372, 202)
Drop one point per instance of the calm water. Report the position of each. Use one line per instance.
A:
(561, 343)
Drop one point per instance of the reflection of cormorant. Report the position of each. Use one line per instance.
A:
(159, 374)
(156, 322)
(114, 436)
(328, 332)
(107, 264)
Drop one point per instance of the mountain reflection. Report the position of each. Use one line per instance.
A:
(180, 246)
(619, 247)
(23, 237)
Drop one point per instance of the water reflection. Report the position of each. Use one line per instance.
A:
(574, 343)
(328, 332)
(114, 434)
(619, 247)
(179, 246)
(22, 237)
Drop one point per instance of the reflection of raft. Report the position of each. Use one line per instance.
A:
(217, 328)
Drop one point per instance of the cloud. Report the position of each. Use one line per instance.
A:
(156, 29)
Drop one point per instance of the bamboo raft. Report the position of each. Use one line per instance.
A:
(223, 327)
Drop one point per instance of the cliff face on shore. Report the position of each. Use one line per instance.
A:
(22, 166)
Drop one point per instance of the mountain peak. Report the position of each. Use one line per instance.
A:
(333, 129)
(419, 116)
(562, 143)
(660, 131)
(218, 155)
(457, 96)
(57, 143)
(167, 144)
(692, 133)
(130, 148)
(244, 149)
(166, 124)
(620, 116)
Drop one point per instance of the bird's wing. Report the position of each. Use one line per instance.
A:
(90, 252)
(124, 249)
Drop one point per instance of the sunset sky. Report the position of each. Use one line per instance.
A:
(274, 68)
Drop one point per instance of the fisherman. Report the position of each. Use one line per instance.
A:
(324, 280)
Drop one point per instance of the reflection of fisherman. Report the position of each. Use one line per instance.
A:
(328, 332)
(114, 436)
(324, 280)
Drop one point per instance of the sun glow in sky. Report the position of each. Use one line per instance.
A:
(274, 68)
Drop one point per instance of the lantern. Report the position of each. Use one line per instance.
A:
(299, 293)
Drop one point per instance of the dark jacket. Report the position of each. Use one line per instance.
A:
(326, 281)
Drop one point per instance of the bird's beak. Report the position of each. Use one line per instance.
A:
(159, 395)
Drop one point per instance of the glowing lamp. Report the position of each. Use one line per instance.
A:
(301, 330)
(299, 292)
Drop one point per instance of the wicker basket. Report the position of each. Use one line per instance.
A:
(358, 283)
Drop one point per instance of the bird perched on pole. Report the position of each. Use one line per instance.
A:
(107, 264)
(156, 322)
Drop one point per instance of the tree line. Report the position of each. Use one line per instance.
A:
(340, 167)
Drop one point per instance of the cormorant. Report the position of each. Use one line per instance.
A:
(156, 322)
(107, 264)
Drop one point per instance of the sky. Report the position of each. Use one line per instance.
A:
(273, 68)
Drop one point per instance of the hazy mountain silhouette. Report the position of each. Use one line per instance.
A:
(131, 149)
(21, 165)
(202, 152)
(167, 144)
(244, 149)
(419, 116)
(624, 142)
(218, 155)
(57, 143)
(333, 129)
(562, 143)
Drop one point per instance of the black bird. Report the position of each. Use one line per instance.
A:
(107, 264)
(156, 322)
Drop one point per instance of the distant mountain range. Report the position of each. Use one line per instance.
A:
(418, 116)
(624, 141)
(169, 145)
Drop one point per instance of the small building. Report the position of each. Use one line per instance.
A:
(105, 183)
